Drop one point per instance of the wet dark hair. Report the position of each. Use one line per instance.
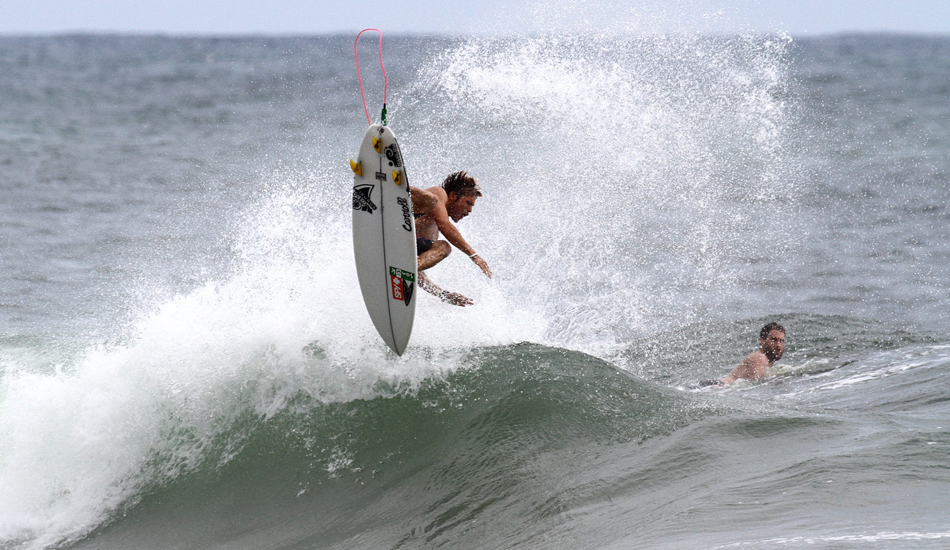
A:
(461, 184)
(764, 333)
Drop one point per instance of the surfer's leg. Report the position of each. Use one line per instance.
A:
(436, 253)
(422, 201)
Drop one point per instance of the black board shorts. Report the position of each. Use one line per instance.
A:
(422, 244)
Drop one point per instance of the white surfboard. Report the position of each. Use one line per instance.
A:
(384, 237)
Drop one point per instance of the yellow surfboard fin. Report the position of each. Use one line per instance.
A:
(357, 167)
(377, 144)
(397, 177)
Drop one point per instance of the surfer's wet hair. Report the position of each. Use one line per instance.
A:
(764, 333)
(461, 184)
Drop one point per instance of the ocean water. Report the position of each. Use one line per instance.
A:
(186, 362)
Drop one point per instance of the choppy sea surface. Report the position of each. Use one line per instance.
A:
(186, 362)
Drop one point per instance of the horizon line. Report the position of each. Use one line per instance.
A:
(430, 34)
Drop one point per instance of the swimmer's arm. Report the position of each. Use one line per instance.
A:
(753, 367)
(728, 379)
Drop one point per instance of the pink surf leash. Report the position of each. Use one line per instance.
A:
(360, 78)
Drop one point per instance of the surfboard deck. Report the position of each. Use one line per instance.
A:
(384, 236)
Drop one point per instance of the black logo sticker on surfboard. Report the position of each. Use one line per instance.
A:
(361, 200)
(406, 213)
(392, 154)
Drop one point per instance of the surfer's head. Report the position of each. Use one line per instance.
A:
(461, 184)
(462, 190)
(772, 341)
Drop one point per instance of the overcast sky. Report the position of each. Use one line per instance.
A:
(798, 17)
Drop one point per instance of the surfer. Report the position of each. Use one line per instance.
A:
(755, 366)
(435, 210)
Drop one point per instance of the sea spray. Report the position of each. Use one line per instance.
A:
(625, 177)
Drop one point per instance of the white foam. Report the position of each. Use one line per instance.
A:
(873, 537)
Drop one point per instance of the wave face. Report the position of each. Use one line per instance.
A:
(509, 437)
(185, 360)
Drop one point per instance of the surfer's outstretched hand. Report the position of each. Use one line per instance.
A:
(456, 299)
(482, 264)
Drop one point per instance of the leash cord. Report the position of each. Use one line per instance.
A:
(360, 78)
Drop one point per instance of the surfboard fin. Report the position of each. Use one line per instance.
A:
(377, 144)
(397, 177)
(357, 167)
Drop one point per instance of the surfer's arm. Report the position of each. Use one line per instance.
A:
(423, 201)
(453, 298)
(450, 232)
(455, 238)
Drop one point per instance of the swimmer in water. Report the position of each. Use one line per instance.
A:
(756, 365)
